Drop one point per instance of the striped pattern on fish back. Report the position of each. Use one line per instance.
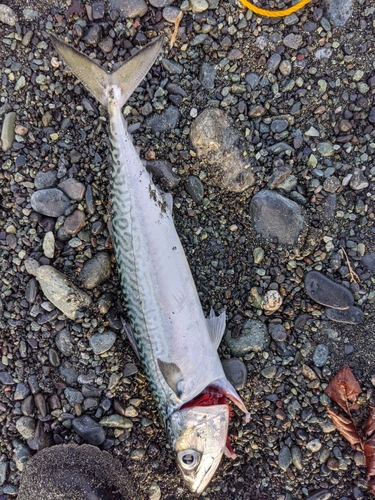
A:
(132, 266)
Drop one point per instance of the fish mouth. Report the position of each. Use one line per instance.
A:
(199, 486)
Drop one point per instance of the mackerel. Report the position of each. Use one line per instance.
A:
(175, 342)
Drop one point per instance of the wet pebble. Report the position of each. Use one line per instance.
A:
(72, 188)
(277, 332)
(207, 75)
(195, 188)
(297, 457)
(74, 222)
(7, 131)
(167, 120)
(236, 372)
(116, 421)
(351, 316)
(102, 342)
(320, 355)
(63, 341)
(61, 292)
(326, 292)
(89, 430)
(274, 216)
(6, 379)
(73, 396)
(51, 202)
(253, 337)
(285, 458)
(40, 404)
(358, 180)
(21, 454)
(96, 270)
(49, 245)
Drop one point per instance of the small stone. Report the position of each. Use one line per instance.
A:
(273, 62)
(252, 79)
(89, 430)
(293, 41)
(285, 458)
(314, 445)
(358, 180)
(279, 125)
(20, 456)
(236, 372)
(277, 332)
(6, 379)
(325, 149)
(26, 427)
(7, 131)
(49, 245)
(45, 180)
(154, 492)
(51, 202)
(64, 342)
(107, 44)
(40, 404)
(253, 337)
(7, 15)
(339, 11)
(368, 261)
(207, 75)
(332, 184)
(97, 10)
(272, 301)
(171, 14)
(62, 293)
(3, 472)
(93, 35)
(320, 355)
(326, 292)
(164, 122)
(195, 188)
(74, 222)
(351, 316)
(102, 342)
(96, 270)
(73, 188)
(269, 371)
(73, 396)
(297, 457)
(258, 254)
(53, 357)
(116, 421)
(21, 392)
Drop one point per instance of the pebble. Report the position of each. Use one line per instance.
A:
(116, 421)
(351, 316)
(63, 341)
(3, 472)
(6, 379)
(274, 216)
(51, 202)
(96, 270)
(73, 396)
(102, 342)
(7, 131)
(236, 372)
(26, 427)
(320, 355)
(339, 11)
(164, 122)
(162, 171)
(273, 62)
(272, 301)
(21, 392)
(40, 404)
(325, 149)
(170, 14)
(61, 292)
(285, 458)
(297, 457)
(207, 76)
(314, 446)
(368, 261)
(258, 254)
(89, 430)
(7, 15)
(21, 454)
(326, 292)
(253, 337)
(277, 332)
(154, 492)
(195, 188)
(198, 6)
(358, 180)
(74, 222)
(45, 180)
(72, 188)
(49, 245)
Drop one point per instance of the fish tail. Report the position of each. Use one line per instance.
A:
(121, 83)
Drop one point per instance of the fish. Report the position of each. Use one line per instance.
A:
(176, 343)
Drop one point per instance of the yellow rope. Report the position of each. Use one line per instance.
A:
(274, 13)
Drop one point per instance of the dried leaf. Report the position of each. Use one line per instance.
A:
(369, 451)
(75, 8)
(175, 31)
(370, 424)
(344, 389)
(346, 428)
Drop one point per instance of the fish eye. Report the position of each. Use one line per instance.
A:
(189, 459)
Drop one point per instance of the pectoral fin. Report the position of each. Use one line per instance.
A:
(216, 327)
(173, 376)
(130, 334)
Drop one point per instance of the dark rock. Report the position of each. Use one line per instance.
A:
(51, 202)
(236, 372)
(96, 270)
(162, 171)
(195, 188)
(167, 120)
(351, 316)
(92, 432)
(368, 261)
(45, 180)
(277, 332)
(73, 188)
(207, 76)
(274, 216)
(326, 292)
(74, 222)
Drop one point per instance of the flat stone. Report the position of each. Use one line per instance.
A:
(325, 149)
(326, 292)
(51, 202)
(26, 427)
(236, 372)
(73, 396)
(198, 6)
(368, 261)
(89, 430)
(167, 120)
(74, 222)
(61, 292)
(277, 332)
(339, 11)
(7, 15)
(358, 180)
(297, 457)
(102, 342)
(63, 341)
(7, 131)
(96, 270)
(195, 188)
(116, 421)
(3, 472)
(21, 455)
(49, 245)
(274, 216)
(45, 180)
(207, 76)
(351, 316)
(6, 378)
(73, 188)
(285, 458)
(253, 337)
(320, 355)
(21, 392)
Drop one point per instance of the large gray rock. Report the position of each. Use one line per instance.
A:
(215, 141)
(339, 11)
(61, 292)
(274, 216)
(253, 337)
(51, 202)
(129, 8)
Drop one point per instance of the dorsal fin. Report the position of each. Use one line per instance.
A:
(216, 327)
(173, 376)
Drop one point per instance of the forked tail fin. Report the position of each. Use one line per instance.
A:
(124, 80)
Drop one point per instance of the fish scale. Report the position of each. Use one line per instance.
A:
(176, 343)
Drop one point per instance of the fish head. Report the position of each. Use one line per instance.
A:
(199, 436)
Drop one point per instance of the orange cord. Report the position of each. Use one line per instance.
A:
(274, 13)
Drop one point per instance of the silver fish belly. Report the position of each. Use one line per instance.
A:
(176, 343)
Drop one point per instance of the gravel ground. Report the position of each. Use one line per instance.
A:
(263, 131)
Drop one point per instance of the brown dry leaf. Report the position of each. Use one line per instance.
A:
(370, 424)
(75, 8)
(344, 389)
(346, 428)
